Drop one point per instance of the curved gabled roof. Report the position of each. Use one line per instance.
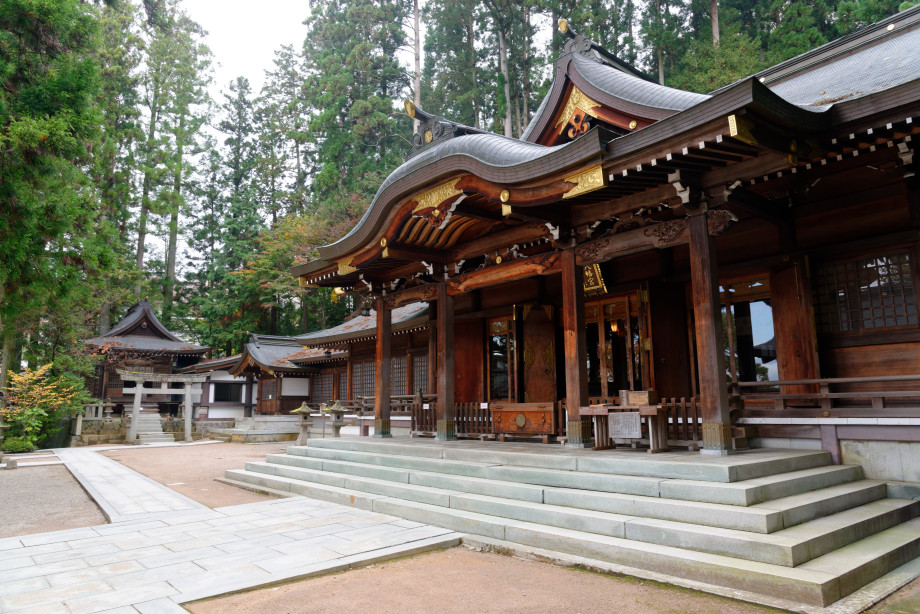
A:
(490, 156)
(626, 88)
(269, 353)
(614, 85)
(140, 330)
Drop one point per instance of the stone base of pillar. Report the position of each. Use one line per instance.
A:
(578, 434)
(717, 439)
(447, 429)
(382, 427)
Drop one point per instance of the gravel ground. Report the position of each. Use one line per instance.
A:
(458, 581)
(191, 470)
(39, 499)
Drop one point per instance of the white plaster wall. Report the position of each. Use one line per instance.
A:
(224, 376)
(884, 460)
(225, 412)
(295, 387)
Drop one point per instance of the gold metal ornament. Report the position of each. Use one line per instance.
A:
(586, 181)
(633, 124)
(428, 136)
(505, 196)
(577, 101)
(345, 267)
(410, 108)
(436, 196)
(383, 241)
(563, 25)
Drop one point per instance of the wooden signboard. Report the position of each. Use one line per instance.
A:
(625, 425)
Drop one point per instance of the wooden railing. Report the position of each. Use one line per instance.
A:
(842, 397)
(424, 420)
(473, 420)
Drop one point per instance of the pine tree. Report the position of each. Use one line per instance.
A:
(355, 76)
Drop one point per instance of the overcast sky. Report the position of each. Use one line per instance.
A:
(244, 34)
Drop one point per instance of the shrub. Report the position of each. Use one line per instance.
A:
(37, 400)
(17, 444)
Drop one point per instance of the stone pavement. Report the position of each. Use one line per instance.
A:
(163, 549)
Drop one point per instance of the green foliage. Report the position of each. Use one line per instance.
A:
(705, 68)
(17, 445)
(37, 400)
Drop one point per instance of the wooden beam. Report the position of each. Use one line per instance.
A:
(524, 233)
(625, 204)
(758, 206)
(541, 264)
(654, 236)
(406, 296)
(447, 428)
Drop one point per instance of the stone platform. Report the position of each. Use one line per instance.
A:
(782, 524)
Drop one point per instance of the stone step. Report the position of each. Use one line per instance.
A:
(815, 583)
(766, 517)
(789, 547)
(748, 492)
(861, 562)
(467, 468)
(745, 465)
(156, 437)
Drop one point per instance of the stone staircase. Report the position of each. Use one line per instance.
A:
(786, 524)
(150, 429)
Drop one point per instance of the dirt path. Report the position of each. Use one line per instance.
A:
(191, 470)
(459, 581)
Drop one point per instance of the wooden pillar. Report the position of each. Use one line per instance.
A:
(717, 438)
(135, 410)
(447, 427)
(349, 376)
(432, 357)
(576, 356)
(247, 402)
(383, 366)
(188, 412)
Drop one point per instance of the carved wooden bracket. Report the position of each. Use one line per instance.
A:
(719, 220)
(426, 292)
(516, 269)
(436, 205)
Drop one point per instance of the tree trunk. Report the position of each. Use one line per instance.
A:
(659, 51)
(471, 35)
(417, 77)
(147, 184)
(714, 9)
(503, 67)
(525, 111)
(7, 350)
(169, 290)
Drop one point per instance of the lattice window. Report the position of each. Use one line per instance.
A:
(357, 382)
(322, 388)
(865, 295)
(398, 375)
(269, 390)
(420, 373)
(343, 386)
(367, 376)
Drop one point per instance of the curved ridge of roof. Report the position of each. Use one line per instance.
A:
(491, 149)
(632, 89)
